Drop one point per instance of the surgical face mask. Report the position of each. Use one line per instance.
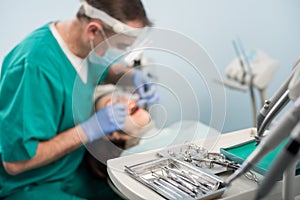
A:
(116, 49)
(110, 57)
(98, 65)
(126, 39)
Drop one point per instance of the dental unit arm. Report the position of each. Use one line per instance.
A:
(248, 71)
(281, 129)
(274, 105)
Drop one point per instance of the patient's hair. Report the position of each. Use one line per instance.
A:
(99, 167)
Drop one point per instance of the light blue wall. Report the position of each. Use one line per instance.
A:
(271, 25)
(18, 18)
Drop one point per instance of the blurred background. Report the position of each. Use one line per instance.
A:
(269, 25)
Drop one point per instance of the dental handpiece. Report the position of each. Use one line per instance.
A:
(238, 54)
(267, 113)
(276, 108)
(287, 156)
(280, 131)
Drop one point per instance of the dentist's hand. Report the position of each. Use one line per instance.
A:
(105, 121)
(145, 88)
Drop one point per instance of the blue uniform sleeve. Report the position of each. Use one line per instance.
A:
(30, 109)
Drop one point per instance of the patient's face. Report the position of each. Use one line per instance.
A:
(136, 120)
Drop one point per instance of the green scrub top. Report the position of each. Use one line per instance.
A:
(41, 96)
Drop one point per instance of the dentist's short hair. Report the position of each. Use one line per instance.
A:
(123, 10)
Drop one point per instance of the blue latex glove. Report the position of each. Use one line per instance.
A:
(145, 88)
(105, 121)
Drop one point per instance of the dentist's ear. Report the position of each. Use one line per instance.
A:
(93, 30)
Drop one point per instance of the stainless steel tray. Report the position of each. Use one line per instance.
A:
(197, 156)
(174, 179)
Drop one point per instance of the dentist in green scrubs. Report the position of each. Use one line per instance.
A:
(46, 92)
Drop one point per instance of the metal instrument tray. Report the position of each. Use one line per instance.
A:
(197, 156)
(174, 179)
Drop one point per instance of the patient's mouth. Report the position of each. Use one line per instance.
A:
(133, 108)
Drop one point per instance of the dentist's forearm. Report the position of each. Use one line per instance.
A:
(49, 151)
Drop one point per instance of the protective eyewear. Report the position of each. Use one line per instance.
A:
(117, 26)
(123, 47)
